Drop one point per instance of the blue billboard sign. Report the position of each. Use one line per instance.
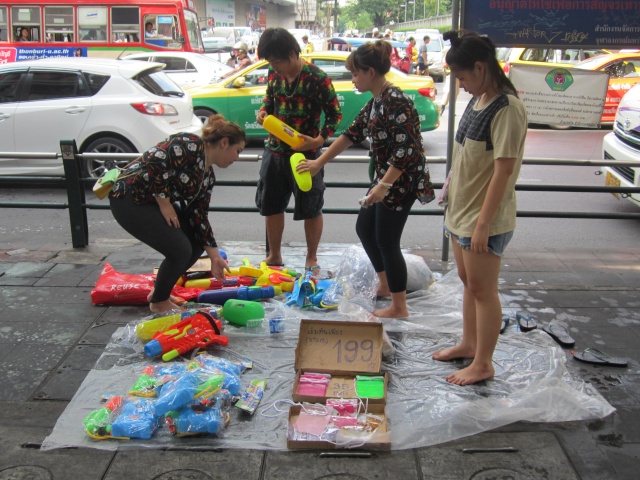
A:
(613, 24)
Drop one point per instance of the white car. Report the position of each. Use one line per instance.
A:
(106, 105)
(187, 69)
(623, 144)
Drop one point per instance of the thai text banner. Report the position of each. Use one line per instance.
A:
(611, 24)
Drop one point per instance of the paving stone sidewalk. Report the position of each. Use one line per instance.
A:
(51, 336)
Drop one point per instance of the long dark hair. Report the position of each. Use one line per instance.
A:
(468, 48)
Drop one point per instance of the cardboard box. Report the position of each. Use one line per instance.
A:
(343, 349)
(378, 440)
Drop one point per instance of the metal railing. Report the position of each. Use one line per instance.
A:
(78, 206)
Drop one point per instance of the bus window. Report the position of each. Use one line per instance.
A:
(58, 24)
(92, 24)
(125, 24)
(29, 18)
(3, 25)
(164, 31)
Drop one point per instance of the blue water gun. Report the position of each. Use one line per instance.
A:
(303, 289)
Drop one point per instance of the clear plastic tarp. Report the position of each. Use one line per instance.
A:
(531, 382)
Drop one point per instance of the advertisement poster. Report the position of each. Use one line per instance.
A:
(256, 17)
(221, 13)
(560, 96)
(525, 23)
(11, 54)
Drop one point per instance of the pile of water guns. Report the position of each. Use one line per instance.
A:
(245, 284)
(189, 398)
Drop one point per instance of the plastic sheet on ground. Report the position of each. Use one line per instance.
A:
(531, 383)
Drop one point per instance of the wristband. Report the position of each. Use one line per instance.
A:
(385, 184)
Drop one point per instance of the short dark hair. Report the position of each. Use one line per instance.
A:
(426, 37)
(277, 43)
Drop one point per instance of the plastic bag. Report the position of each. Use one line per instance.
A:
(355, 280)
(419, 275)
(118, 288)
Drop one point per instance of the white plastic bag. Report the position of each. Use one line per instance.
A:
(419, 275)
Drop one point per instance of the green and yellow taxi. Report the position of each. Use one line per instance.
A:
(239, 97)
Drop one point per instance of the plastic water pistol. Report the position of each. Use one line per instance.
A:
(98, 423)
(197, 331)
(270, 275)
(215, 284)
(218, 297)
(304, 288)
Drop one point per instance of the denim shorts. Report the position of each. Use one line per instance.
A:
(497, 243)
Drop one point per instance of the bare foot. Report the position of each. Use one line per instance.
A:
(273, 260)
(311, 262)
(392, 312)
(176, 300)
(161, 307)
(451, 353)
(383, 292)
(471, 374)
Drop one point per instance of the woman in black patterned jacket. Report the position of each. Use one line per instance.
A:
(391, 122)
(162, 199)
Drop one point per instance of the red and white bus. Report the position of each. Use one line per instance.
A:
(95, 28)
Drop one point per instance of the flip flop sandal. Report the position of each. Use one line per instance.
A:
(505, 323)
(596, 357)
(559, 334)
(526, 322)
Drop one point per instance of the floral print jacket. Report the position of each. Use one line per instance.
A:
(174, 169)
(391, 121)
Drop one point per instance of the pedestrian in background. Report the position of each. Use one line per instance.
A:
(308, 47)
(163, 197)
(411, 53)
(423, 57)
(297, 93)
(392, 123)
(481, 212)
(241, 59)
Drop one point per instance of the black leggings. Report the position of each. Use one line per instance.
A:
(178, 245)
(379, 230)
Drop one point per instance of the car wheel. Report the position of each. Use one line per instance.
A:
(95, 167)
(203, 114)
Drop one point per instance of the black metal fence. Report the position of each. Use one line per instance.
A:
(78, 206)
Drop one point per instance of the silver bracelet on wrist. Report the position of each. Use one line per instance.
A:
(385, 184)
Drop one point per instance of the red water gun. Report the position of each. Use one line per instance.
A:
(197, 331)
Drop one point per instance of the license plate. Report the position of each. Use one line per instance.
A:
(611, 181)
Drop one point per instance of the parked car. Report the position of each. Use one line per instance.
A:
(106, 105)
(239, 97)
(219, 40)
(187, 69)
(624, 73)
(623, 144)
(552, 57)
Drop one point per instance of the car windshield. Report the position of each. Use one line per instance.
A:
(434, 46)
